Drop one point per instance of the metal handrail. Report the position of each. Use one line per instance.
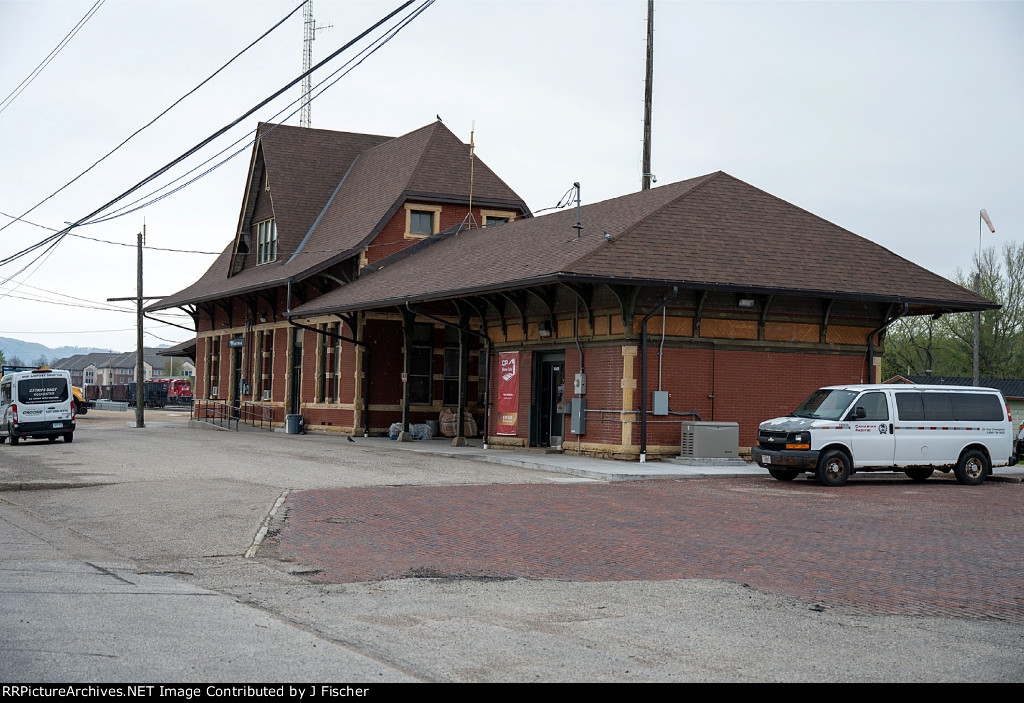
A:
(253, 413)
(215, 412)
(229, 416)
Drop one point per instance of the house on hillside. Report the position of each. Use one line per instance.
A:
(372, 299)
(114, 368)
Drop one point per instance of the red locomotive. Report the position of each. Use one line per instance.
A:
(179, 391)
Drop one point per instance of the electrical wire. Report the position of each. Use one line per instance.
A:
(57, 237)
(6, 102)
(150, 123)
(315, 92)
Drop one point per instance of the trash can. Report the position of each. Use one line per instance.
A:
(293, 424)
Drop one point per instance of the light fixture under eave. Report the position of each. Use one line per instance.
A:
(746, 302)
(544, 330)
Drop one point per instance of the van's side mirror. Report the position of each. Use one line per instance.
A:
(856, 414)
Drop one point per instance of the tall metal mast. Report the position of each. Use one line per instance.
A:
(309, 35)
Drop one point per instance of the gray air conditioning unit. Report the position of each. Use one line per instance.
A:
(710, 440)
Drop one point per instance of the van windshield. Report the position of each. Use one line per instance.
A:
(42, 390)
(825, 404)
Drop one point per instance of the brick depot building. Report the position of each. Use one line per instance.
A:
(358, 293)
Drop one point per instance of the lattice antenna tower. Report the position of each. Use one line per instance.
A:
(309, 36)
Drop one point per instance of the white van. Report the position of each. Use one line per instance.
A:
(840, 430)
(36, 404)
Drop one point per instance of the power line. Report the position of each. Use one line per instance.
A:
(368, 51)
(150, 123)
(56, 238)
(6, 102)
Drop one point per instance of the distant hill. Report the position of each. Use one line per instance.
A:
(30, 352)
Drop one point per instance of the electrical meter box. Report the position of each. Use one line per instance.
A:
(578, 419)
(660, 402)
(579, 384)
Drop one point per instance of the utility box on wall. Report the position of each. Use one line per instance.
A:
(578, 421)
(579, 384)
(660, 403)
(710, 440)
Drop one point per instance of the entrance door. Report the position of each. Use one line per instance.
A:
(236, 387)
(552, 390)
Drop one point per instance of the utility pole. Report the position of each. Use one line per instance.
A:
(645, 182)
(140, 370)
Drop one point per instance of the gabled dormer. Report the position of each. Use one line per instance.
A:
(256, 235)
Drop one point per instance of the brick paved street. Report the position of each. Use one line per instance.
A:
(879, 546)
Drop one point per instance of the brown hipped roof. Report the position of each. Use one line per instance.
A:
(711, 232)
(333, 191)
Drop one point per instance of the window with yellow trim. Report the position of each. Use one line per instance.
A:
(266, 242)
(421, 220)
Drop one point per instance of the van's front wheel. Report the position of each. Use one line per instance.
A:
(971, 469)
(833, 468)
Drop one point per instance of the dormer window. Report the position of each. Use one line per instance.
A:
(266, 242)
(492, 218)
(421, 220)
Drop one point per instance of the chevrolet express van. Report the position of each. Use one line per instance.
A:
(36, 404)
(842, 430)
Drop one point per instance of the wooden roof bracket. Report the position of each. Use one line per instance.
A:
(500, 309)
(626, 295)
(764, 317)
(208, 309)
(250, 308)
(586, 296)
(699, 313)
(193, 313)
(350, 319)
(271, 302)
(824, 320)
(518, 299)
(479, 306)
(226, 307)
(547, 296)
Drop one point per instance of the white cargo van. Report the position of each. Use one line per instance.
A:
(841, 430)
(36, 404)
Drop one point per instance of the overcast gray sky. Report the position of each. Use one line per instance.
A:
(897, 121)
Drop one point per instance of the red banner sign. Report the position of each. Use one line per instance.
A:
(508, 392)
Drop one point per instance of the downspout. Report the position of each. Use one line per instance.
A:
(871, 341)
(643, 371)
(366, 356)
(366, 360)
(487, 358)
(576, 336)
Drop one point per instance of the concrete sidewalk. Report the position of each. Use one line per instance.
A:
(604, 469)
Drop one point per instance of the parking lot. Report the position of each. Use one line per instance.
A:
(412, 565)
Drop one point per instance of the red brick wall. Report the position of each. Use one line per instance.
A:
(749, 386)
(391, 238)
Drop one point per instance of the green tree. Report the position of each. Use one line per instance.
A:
(1001, 331)
(945, 347)
(918, 345)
